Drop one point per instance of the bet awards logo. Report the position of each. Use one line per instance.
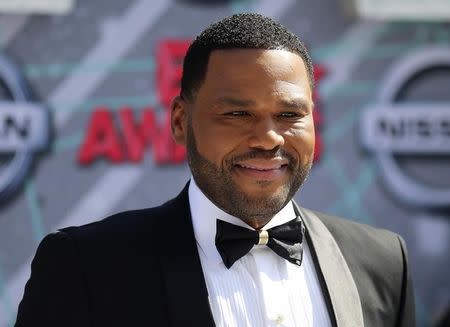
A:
(24, 128)
(411, 140)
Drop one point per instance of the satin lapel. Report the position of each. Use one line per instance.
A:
(341, 287)
(187, 296)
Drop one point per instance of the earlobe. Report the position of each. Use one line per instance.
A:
(178, 121)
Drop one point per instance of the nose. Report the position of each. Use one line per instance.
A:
(265, 136)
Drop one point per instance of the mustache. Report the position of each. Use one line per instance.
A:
(277, 152)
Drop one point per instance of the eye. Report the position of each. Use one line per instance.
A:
(290, 114)
(236, 113)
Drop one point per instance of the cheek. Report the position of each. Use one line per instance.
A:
(214, 143)
(302, 139)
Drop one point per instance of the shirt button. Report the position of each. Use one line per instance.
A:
(278, 319)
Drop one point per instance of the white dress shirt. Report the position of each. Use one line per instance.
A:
(260, 289)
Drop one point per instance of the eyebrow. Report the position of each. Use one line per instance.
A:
(297, 103)
(226, 100)
(289, 104)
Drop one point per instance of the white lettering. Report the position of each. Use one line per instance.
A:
(22, 127)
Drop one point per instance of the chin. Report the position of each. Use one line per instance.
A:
(264, 188)
(265, 194)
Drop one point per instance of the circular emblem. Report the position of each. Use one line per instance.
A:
(24, 128)
(421, 129)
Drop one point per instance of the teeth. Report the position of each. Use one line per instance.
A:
(261, 169)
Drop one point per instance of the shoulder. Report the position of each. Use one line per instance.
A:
(126, 225)
(367, 250)
(126, 235)
(378, 261)
(124, 231)
(130, 238)
(375, 256)
(346, 231)
(121, 223)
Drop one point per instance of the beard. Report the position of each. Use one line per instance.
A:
(218, 185)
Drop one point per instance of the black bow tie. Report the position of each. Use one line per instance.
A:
(233, 242)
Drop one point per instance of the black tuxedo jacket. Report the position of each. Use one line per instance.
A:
(141, 268)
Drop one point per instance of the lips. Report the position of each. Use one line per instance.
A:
(259, 168)
(263, 169)
(263, 164)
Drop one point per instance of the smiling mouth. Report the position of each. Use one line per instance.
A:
(262, 170)
(263, 164)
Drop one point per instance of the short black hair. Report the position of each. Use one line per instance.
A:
(246, 30)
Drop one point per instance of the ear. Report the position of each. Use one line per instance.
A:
(178, 120)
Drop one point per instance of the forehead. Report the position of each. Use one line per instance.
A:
(254, 58)
(237, 70)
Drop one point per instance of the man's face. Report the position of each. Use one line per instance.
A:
(249, 131)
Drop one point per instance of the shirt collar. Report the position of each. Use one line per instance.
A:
(204, 214)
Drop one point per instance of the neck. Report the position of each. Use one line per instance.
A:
(257, 222)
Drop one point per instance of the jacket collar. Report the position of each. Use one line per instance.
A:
(186, 292)
(338, 280)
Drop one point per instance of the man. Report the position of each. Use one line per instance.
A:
(232, 249)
